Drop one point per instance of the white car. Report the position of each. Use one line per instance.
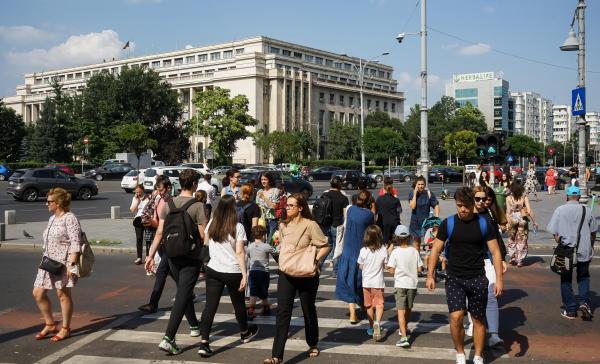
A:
(170, 171)
(200, 167)
(132, 179)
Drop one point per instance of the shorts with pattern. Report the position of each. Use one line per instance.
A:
(405, 297)
(467, 295)
(373, 297)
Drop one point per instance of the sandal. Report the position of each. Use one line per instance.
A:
(272, 361)
(56, 338)
(47, 330)
(313, 352)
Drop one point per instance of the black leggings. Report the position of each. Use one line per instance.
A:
(215, 282)
(185, 272)
(139, 237)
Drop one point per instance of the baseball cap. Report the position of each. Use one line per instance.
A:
(573, 191)
(401, 231)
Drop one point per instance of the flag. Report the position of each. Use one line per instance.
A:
(126, 45)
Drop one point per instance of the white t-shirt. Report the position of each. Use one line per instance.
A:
(222, 254)
(405, 261)
(140, 206)
(373, 264)
(210, 191)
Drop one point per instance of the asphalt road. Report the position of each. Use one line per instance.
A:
(110, 194)
(106, 324)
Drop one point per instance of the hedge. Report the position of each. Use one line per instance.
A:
(31, 164)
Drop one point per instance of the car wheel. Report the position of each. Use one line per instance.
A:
(311, 178)
(2, 177)
(99, 177)
(306, 193)
(30, 195)
(406, 178)
(85, 193)
(379, 178)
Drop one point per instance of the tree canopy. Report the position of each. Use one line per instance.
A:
(343, 141)
(383, 143)
(13, 133)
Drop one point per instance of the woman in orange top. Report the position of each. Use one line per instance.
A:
(551, 180)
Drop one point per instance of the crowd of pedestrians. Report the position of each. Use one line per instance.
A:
(229, 244)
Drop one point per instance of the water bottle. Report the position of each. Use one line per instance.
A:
(535, 229)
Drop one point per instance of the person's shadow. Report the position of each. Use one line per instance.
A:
(511, 319)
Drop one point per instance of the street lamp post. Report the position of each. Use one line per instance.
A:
(361, 75)
(578, 44)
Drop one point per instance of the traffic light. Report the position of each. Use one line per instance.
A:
(492, 146)
(481, 148)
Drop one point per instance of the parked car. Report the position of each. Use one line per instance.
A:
(259, 167)
(322, 173)
(29, 184)
(62, 167)
(397, 173)
(150, 174)
(114, 171)
(200, 167)
(110, 162)
(350, 178)
(444, 174)
(292, 184)
(5, 172)
(132, 179)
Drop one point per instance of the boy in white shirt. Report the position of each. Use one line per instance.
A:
(405, 263)
(371, 260)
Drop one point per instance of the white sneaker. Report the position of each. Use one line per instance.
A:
(461, 359)
(194, 331)
(469, 331)
(495, 340)
(478, 360)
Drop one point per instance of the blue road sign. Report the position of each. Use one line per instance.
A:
(509, 158)
(578, 101)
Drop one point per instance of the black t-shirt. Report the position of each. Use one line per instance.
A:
(251, 212)
(369, 204)
(468, 247)
(389, 208)
(573, 172)
(338, 202)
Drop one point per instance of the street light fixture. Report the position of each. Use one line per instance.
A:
(573, 43)
(361, 75)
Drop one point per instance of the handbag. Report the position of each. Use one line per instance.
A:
(86, 261)
(48, 264)
(299, 262)
(564, 257)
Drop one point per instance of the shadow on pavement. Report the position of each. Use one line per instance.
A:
(510, 319)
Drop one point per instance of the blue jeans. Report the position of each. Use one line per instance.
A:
(583, 281)
(331, 234)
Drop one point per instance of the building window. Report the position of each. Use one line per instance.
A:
(202, 58)
(497, 112)
(393, 107)
(464, 102)
(167, 63)
(342, 117)
(328, 63)
(156, 64)
(178, 61)
(342, 100)
(385, 106)
(351, 118)
(331, 116)
(498, 91)
(308, 58)
(321, 97)
(498, 123)
(348, 66)
(297, 55)
(227, 54)
(321, 121)
(381, 74)
(498, 101)
(351, 101)
(368, 104)
(467, 92)
(85, 75)
(373, 72)
(377, 105)
(69, 76)
(215, 56)
(286, 53)
(190, 59)
(114, 70)
(338, 65)
(318, 60)
(333, 78)
(332, 99)
(274, 50)
(239, 51)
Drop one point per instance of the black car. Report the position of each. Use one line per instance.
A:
(350, 178)
(446, 175)
(322, 173)
(291, 184)
(29, 184)
(114, 171)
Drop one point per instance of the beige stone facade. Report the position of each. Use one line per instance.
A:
(289, 86)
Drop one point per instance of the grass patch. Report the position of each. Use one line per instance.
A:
(104, 242)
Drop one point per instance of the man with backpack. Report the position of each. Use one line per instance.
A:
(574, 226)
(181, 229)
(468, 238)
(328, 212)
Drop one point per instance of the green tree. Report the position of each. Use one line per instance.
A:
(381, 144)
(222, 118)
(412, 133)
(524, 146)
(135, 138)
(469, 118)
(461, 144)
(381, 119)
(13, 133)
(343, 141)
(307, 143)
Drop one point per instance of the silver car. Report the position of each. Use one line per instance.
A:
(397, 174)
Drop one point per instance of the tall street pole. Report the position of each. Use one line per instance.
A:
(581, 118)
(362, 116)
(423, 107)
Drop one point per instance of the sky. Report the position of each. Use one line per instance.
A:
(519, 38)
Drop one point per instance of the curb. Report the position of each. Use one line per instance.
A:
(95, 248)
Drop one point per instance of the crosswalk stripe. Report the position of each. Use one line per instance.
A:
(422, 327)
(331, 288)
(297, 345)
(89, 359)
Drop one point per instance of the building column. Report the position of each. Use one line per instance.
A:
(284, 108)
(301, 103)
(293, 90)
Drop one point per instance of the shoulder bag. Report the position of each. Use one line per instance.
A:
(565, 257)
(298, 262)
(48, 264)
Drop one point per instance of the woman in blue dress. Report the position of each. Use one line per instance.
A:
(421, 201)
(348, 287)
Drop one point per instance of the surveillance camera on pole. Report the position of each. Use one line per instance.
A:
(400, 37)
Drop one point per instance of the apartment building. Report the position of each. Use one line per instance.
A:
(289, 86)
(533, 116)
(563, 123)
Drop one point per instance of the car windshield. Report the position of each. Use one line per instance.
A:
(133, 172)
(150, 173)
(18, 174)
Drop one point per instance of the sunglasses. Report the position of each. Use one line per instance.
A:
(480, 199)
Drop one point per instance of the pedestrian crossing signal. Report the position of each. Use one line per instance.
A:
(487, 146)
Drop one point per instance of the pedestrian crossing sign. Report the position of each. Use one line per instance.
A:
(578, 101)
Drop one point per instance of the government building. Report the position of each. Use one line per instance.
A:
(289, 86)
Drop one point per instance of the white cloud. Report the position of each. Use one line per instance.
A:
(24, 34)
(406, 81)
(77, 50)
(475, 49)
(489, 9)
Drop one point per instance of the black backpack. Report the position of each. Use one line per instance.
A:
(240, 211)
(322, 211)
(180, 233)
